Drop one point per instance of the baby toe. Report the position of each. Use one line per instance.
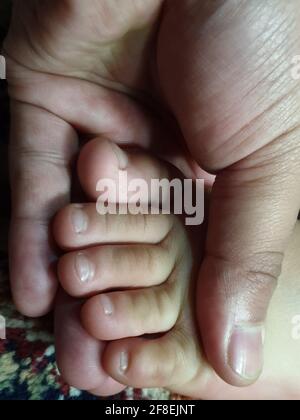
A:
(169, 361)
(133, 313)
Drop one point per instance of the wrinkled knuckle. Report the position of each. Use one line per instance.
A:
(108, 224)
(141, 308)
(160, 374)
(149, 259)
(166, 308)
(264, 269)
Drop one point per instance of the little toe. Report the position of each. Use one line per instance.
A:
(170, 361)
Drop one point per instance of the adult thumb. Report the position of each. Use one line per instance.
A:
(238, 107)
(252, 214)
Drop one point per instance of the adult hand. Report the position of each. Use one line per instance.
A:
(70, 65)
(239, 110)
(223, 68)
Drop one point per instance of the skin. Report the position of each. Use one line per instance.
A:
(161, 303)
(232, 98)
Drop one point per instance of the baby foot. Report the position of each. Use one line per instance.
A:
(172, 358)
(142, 254)
(111, 253)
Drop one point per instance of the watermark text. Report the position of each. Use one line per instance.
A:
(2, 328)
(179, 197)
(296, 327)
(295, 72)
(2, 68)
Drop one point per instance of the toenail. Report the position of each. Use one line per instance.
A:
(121, 156)
(79, 220)
(107, 305)
(84, 268)
(124, 362)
